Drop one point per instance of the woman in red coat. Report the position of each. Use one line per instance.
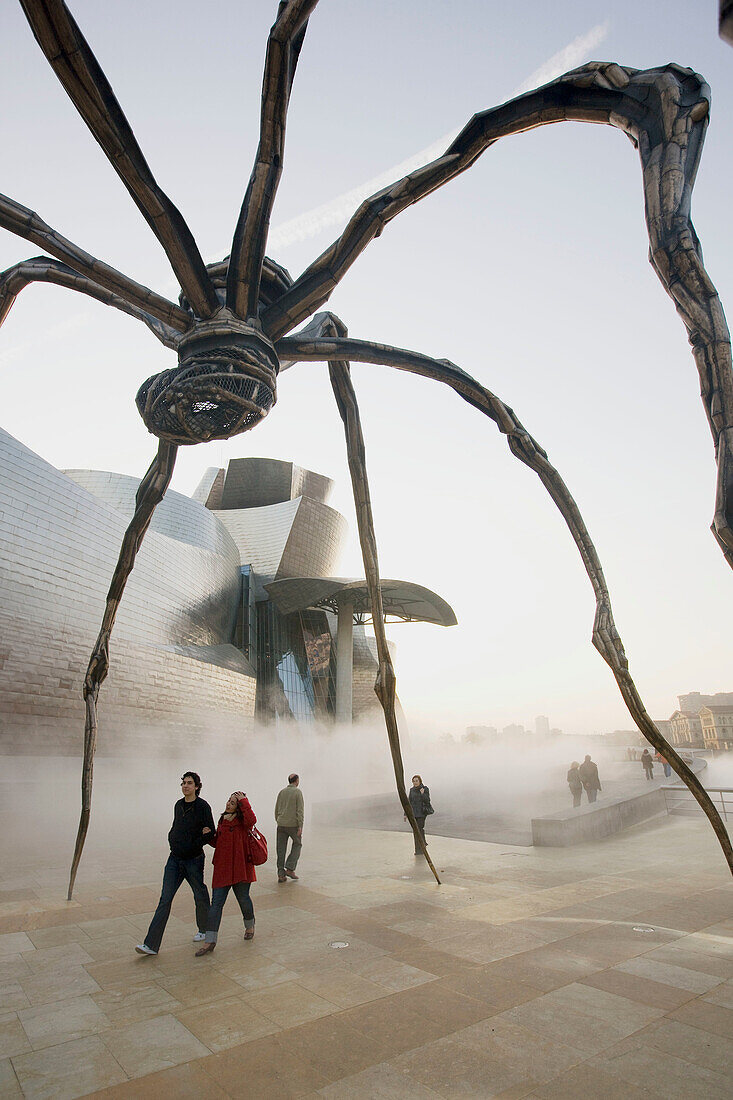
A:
(233, 868)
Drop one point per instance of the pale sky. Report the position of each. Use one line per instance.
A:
(530, 271)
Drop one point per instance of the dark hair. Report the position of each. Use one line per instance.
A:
(293, 777)
(237, 813)
(196, 779)
(416, 776)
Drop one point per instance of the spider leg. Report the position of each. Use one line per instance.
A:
(250, 236)
(385, 685)
(79, 71)
(606, 638)
(42, 270)
(150, 493)
(25, 223)
(665, 114)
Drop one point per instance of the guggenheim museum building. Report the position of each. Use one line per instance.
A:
(234, 617)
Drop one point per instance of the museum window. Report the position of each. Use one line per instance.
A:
(296, 676)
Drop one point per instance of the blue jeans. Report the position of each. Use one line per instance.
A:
(218, 897)
(176, 870)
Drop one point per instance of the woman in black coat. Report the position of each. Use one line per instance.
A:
(419, 796)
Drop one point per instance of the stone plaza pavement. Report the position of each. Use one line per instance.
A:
(601, 970)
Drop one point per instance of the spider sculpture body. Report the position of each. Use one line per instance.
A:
(231, 326)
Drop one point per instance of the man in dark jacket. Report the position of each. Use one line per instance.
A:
(193, 826)
(588, 772)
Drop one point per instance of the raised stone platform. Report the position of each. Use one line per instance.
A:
(584, 823)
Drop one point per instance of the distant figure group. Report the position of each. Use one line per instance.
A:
(234, 860)
(634, 754)
(583, 777)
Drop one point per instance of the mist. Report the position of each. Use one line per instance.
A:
(487, 791)
(135, 789)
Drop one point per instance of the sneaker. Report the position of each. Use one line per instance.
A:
(199, 937)
(281, 877)
(143, 949)
(290, 874)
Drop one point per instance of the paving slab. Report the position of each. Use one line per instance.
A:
(606, 968)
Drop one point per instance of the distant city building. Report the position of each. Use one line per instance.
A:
(686, 730)
(692, 702)
(685, 726)
(664, 725)
(717, 727)
(476, 735)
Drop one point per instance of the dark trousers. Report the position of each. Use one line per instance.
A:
(218, 897)
(577, 795)
(592, 793)
(176, 870)
(421, 826)
(649, 774)
(285, 833)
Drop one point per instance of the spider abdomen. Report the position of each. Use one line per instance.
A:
(224, 384)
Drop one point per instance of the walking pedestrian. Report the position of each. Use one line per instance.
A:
(234, 868)
(665, 764)
(575, 783)
(647, 763)
(289, 815)
(588, 772)
(193, 826)
(419, 796)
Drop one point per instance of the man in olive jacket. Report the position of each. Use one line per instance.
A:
(289, 818)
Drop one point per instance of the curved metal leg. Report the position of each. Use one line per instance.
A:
(606, 638)
(149, 495)
(69, 55)
(385, 685)
(39, 269)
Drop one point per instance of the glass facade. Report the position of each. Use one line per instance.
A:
(296, 665)
(245, 631)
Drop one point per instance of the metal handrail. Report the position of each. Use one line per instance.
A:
(684, 792)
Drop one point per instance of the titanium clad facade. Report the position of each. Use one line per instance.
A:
(282, 531)
(198, 647)
(174, 673)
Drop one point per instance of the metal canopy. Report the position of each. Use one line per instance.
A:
(403, 601)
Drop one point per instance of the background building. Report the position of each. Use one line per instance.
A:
(302, 627)
(686, 726)
(717, 727)
(200, 645)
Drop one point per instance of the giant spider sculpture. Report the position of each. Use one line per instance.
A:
(230, 328)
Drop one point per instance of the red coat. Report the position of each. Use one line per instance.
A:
(232, 856)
